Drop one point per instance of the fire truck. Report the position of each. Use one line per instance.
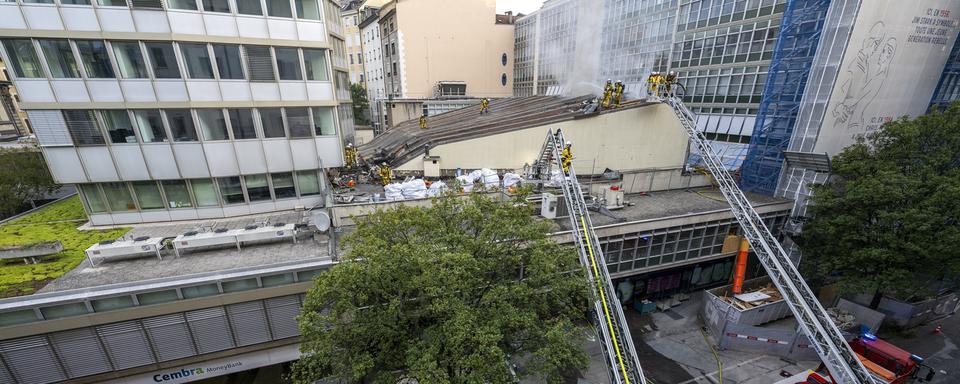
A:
(886, 362)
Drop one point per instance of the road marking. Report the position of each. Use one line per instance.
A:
(706, 376)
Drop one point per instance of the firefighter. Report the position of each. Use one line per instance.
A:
(607, 93)
(617, 93)
(484, 105)
(670, 80)
(385, 174)
(350, 155)
(423, 122)
(566, 158)
(652, 82)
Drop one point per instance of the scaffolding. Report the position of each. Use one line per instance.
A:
(948, 90)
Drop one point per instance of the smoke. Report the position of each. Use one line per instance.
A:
(584, 78)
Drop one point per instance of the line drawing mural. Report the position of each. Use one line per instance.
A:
(865, 78)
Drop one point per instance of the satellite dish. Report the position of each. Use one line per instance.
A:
(320, 220)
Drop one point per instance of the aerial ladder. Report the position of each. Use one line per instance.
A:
(825, 337)
(609, 320)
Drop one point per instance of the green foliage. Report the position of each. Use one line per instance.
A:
(360, 103)
(887, 222)
(23, 176)
(434, 293)
(57, 221)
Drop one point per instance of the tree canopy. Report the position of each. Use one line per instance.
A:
(446, 294)
(23, 176)
(887, 220)
(358, 95)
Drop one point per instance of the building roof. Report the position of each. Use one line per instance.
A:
(406, 141)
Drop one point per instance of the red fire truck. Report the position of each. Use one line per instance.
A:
(886, 361)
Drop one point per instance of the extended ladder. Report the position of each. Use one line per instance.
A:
(610, 321)
(824, 335)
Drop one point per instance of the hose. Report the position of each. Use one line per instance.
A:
(715, 356)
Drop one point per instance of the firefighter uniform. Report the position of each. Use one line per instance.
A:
(566, 158)
(350, 155)
(386, 174)
(670, 80)
(607, 94)
(653, 81)
(484, 105)
(423, 122)
(617, 94)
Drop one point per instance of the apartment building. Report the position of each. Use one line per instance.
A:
(182, 110)
(350, 13)
(373, 65)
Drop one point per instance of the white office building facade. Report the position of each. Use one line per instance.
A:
(182, 109)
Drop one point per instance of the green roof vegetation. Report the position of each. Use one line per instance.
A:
(57, 221)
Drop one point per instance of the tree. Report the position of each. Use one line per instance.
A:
(360, 103)
(446, 294)
(887, 220)
(23, 177)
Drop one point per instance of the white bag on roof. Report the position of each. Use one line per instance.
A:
(436, 188)
(465, 182)
(490, 178)
(510, 179)
(475, 175)
(556, 178)
(414, 189)
(393, 192)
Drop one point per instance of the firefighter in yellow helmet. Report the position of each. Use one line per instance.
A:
(423, 122)
(670, 80)
(386, 174)
(617, 93)
(350, 155)
(652, 83)
(566, 157)
(607, 94)
(484, 105)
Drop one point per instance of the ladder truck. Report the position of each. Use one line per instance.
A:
(837, 355)
(617, 344)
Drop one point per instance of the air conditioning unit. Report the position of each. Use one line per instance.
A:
(553, 206)
(139, 247)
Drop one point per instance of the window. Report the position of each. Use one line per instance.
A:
(230, 190)
(283, 185)
(279, 8)
(323, 121)
(272, 122)
(204, 193)
(148, 194)
(163, 59)
(17, 317)
(249, 7)
(216, 6)
(307, 9)
(259, 63)
(241, 120)
(178, 196)
(198, 60)
(308, 183)
(150, 125)
(351, 59)
(129, 59)
(448, 89)
(503, 59)
(228, 61)
(239, 285)
(503, 79)
(60, 58)
(38, 1)
(199, 291)
(307, 275)
(158, 297)
(118, 196)
(257, 188)
(94, 200)
(181, 125)
(83, 127)
(315, 62)
(74, 2)
(93, 54)
(213, 125)
(112, 3)
(118, 126)
(275, 280)
(63, 310)
(183, 4)
(298, 121)
(23, 58)
(288, 64)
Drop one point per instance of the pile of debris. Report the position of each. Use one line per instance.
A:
(842, 318)
(747, 300)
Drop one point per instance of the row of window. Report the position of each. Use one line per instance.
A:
(739, 84)
(305, 9)
(98, 59)
(121, 126)
(119, 197)
(740, 43)
(704, 13)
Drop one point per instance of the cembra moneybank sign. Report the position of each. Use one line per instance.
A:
(190, 373)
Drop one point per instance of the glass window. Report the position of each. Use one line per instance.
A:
(323, 121)
(118, 125)
(298, 121)
(17, 317)
(315, 62)
(288, 63)
(163, 59)
(212, 124)
(181, 125)
(63, 310)
(249, 7)
(75, 2)
(307, 9)
(231, 190)
(93, 54)
(199, 291)
(24, 58)
(183, 4)
(148, 194)
(239, 285)
(257, 188)
(275, 280)
(204, 193)
(150, 125)
(109, 304)
(241, 120)
(308, 183)
(158, 297)
(283, 185)
(271, 120)
(177, 194)
(198, 60)
(83, 127)
(303, 276)
(279, 8)
(91, 195)
(59, 58)
(38, 1)
(228, 61)
(129, 59)
(118, 196)
(113, 3)
(216, 6)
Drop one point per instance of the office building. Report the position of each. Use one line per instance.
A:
(12, 121)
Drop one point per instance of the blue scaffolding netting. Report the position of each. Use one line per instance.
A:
(782, 94)
(948, 90)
